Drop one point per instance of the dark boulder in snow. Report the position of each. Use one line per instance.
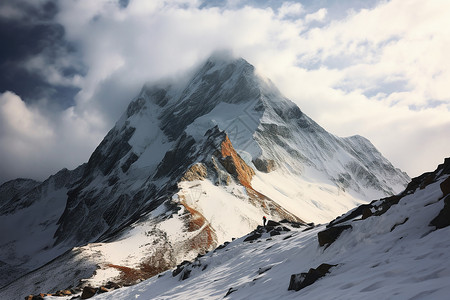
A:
(302, 280)
(443, 218)
(88, 292)
(329, 235)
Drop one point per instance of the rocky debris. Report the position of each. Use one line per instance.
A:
(195, 172)
(264, 165)
(186, 267)
(85, 293)
(329, 235)
(272, 228)
(443, 218)
(302, 280)
(222, 246)
(252, 237)
(37, 297)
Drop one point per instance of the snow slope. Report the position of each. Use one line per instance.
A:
(395, 255)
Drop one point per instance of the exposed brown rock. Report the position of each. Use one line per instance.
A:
(102, 290)
(195, 172)
(234, 164)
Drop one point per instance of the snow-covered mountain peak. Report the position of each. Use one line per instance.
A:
(192, 164)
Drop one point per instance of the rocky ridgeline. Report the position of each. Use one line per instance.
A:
(379, 207)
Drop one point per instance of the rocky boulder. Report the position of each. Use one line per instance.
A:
(329, 235)
(302, 280)
(88, 292)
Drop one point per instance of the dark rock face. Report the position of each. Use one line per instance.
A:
(329, 235)
(445, 187)
(110, 151)
(443, 218)
(302, 280)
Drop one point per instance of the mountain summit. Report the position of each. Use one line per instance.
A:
(185, 169)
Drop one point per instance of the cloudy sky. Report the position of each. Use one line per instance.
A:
(380, 69)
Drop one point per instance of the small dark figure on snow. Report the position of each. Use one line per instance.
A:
(264, 221)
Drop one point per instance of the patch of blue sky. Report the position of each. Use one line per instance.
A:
(387, 87)
(336, 9)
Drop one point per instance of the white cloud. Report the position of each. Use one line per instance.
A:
(381, 72)
(290, 10)
(34, 145)
(318, 16)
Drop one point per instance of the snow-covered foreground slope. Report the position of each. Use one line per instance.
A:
(397, 251)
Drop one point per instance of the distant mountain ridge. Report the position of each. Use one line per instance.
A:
(188, 167)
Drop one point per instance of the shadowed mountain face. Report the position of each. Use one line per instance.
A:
(197, 165)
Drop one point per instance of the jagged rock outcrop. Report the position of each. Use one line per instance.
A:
(443, 218)
(234, 164)
(196, 172)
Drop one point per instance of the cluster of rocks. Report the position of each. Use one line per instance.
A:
(78, 293)
(186, 267)
(274, 228)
